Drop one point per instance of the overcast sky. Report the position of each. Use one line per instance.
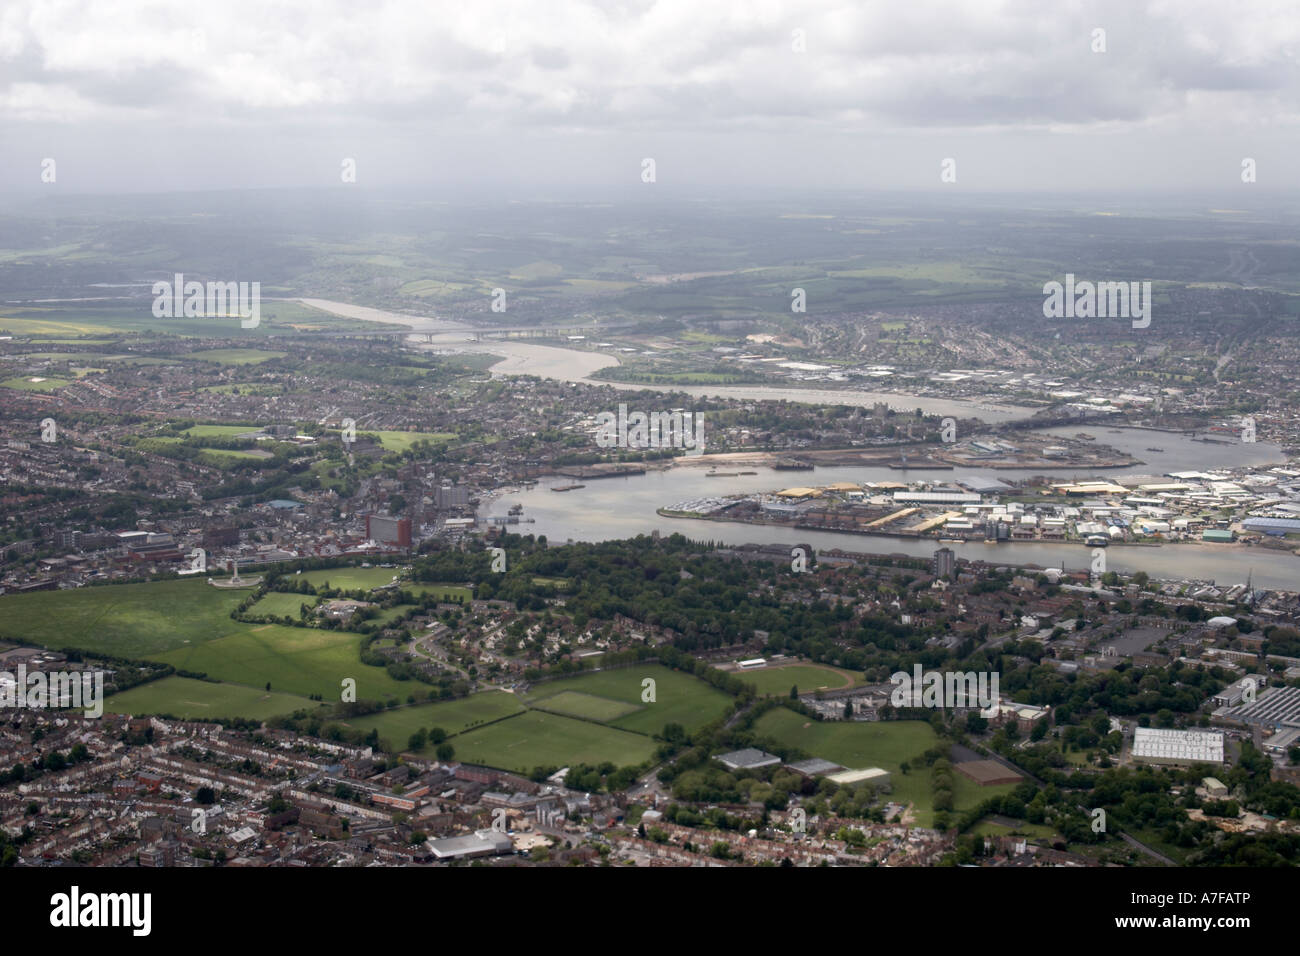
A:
(528, 96)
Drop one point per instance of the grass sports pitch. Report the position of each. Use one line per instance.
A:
(777, 681)
(454, 716)
(571, 703)
(537, 739)
(202, 700)
(679, 698)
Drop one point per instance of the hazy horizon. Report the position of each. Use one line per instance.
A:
(573, 97)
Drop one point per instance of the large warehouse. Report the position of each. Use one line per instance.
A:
(478, 843)
(1276, 708)
(1184, 747)
(1273, 526)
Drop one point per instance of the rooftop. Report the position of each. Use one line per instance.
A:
(747, 759)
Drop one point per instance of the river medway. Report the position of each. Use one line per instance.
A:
(576, 365)
(611, 508)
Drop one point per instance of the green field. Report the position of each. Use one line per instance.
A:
(679, 698)
(30, 384)
(573, 704)
(187, 624)
(393, 613)
(885, 744)
(298, 660)
(536, 739)
(777, 681)
(560, 584)
(221, 431)
(402, 441)
(28, 357)
(236, 356)
(243, 388)
(1039, 832)
(88, 323)
(201, 700)
(349, 579)
(454, 716)
(130, 620)
(222, 456)
(276, 604)
(447, 593)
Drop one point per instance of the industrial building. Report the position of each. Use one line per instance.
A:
(1282, 741)
(1182, 747)
(1233, 694)
(937, 498)
(478, 843)
(814, 767)
(748, 759)
(1277, 527)
(1276, 708)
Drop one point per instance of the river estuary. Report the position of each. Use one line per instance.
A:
(623, 507)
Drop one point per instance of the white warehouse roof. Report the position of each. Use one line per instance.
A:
(1192, 746)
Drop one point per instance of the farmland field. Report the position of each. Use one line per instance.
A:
(454, 716)
(202, 700)
(58, 324)
(537, 739)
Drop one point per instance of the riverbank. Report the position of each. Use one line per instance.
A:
(936, 539)
(572, 365)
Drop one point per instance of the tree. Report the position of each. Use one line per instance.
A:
(794, 692)
(848, 710)
(205, 796)
(445, 752)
